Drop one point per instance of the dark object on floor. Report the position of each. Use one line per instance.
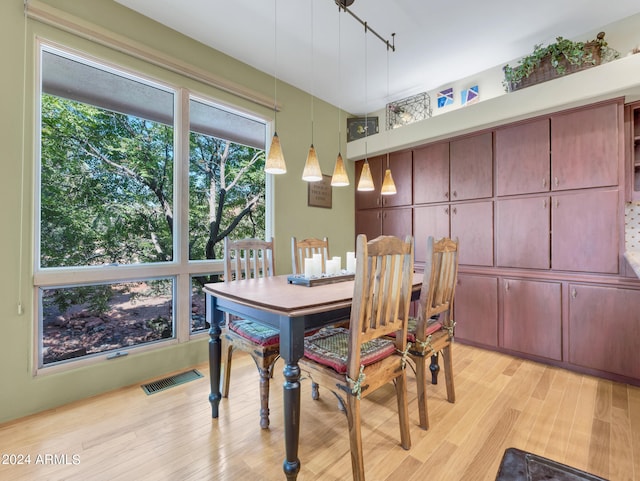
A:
(520, 465)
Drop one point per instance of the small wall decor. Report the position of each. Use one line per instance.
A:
(319, 193)
(469, 96)
(408, 110)
(360, 127)
(445, 97)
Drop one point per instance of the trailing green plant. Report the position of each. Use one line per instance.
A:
(560, 54)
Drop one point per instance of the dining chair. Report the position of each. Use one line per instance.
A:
(301, 249)
(355, 362)
(431, 331)
(243, 259)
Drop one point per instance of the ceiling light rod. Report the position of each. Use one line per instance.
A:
(343, 4)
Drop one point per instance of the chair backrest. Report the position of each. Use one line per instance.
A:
(439, 282)
(381, 293)
(248, 258)
(301, 249)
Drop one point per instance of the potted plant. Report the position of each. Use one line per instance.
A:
(556, 59)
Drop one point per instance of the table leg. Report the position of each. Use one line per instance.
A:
(214, 316)
(291, 350)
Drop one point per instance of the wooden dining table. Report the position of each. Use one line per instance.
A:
(291, 308)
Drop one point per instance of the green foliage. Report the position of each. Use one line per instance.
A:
(559, 54)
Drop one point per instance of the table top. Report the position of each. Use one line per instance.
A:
(275, 294)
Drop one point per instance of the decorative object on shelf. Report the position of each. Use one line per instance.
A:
(361, 127)
(319, 193)
(555, 60)
(445, 97)
(408, 110)
(469, 96)
(275, 163)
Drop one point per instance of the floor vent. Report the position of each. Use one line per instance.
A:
(171, 381)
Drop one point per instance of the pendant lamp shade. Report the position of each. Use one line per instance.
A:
(388, 186)
(366, 180)
(275, 160)
(312, 172)
(340, 177)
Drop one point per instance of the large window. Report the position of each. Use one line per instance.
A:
(128, 231)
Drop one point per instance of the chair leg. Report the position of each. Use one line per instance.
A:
(403, 410)
(264, 397)
(355, 437)
(421, 381)
(448, 373)
(227, 353)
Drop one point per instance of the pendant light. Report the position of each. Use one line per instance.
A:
(388, 186)
(312, 171)
(366, 180)
(275, 163)
(340, 177)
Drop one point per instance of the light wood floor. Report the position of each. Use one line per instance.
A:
(502, 402)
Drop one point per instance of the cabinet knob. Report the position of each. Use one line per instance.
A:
(556, 181)
(455, 210)
(506, 285)
(446, 210)
(455, 193)
(574, 293)
(557, 203)
(544, 183)
(544, 203)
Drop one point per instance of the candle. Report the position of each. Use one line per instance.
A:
(317, 265)
(351, 261)
(308, 267)
(333, 266)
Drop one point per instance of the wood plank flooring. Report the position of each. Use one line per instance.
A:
(501, 402)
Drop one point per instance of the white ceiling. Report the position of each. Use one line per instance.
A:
(326, 52)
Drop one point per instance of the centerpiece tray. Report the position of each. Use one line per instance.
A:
(301, 280)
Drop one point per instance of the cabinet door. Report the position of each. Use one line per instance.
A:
(471, 165)
(397, 222)
(585, 232)
(522, 158)
(369, 222)
(584, 148)
(401, 166)
(603, 329)
(523, 233)
(431, 173)
(429, 220)
(475, 309)
(369, 199)
(532, 313)
(472, 224)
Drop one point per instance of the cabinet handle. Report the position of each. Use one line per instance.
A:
(574, 293)
(544, 183)
(446, 195)
(506, 285)
(446, 210)
(378, 201)
(557, 203)
(556, 181)
(544, 203)
(455, 193)
(455, 210)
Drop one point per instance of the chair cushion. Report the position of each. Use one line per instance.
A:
(256, 332)
(433, 325)
(330, 347)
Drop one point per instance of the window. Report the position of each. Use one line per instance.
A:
(116, 242)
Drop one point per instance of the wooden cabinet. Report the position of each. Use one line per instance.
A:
(431, 173)
(395, 221)
(523, 232)
(522, 154)
(585, 231)
(401, 166)
(632, 122)
(471, 223)
(603, 329)
(476, 309)
(584, 147)
(532, 317)
(471, 167)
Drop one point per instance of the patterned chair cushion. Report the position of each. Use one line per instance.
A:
(433, 325)
(256, 332)
(330, 346)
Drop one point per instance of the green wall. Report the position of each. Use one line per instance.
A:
(23, 393)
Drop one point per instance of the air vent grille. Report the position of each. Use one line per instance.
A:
(171, 381)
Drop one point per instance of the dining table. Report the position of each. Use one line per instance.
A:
(293, 309)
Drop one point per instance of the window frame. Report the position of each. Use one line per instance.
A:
(181, 269)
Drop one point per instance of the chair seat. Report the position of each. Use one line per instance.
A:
(433, 325)
(330, 347)
(256, 332)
